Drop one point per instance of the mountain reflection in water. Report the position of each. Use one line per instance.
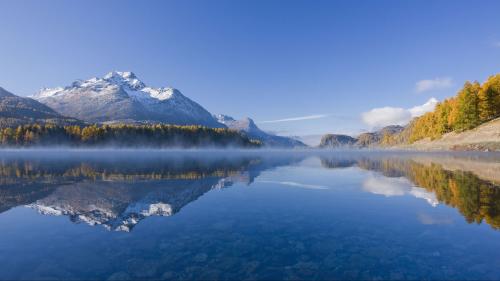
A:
(118, 192)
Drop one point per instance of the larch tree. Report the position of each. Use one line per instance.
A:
(467, 103)
(489, 98)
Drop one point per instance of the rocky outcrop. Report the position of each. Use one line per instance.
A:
(364, 140)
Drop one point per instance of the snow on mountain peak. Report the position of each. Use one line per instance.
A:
(120, 74)
(48, 92)
(127, 78)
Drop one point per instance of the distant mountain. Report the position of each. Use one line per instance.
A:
(15, 110)
(120, 97)
(370, 139)
(332, 140)
(393, 129)
(248, 126)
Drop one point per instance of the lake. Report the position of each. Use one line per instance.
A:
(149, 214)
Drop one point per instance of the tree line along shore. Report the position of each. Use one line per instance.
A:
(123, 135)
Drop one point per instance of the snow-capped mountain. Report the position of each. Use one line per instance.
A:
(122, 97)
(247, 125)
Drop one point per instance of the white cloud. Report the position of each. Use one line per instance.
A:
(385, 116)
(420, 110)
(496, 44)
(397, 187)
(433, 84)
(308, 117)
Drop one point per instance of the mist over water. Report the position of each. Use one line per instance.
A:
(254, 214)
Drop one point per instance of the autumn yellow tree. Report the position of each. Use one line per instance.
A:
(467, 107)
(489, 98)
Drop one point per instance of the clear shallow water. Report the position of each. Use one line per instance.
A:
(248, 215)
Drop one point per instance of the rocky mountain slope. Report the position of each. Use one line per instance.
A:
(249, 127)
(120, 97)
(15, 110)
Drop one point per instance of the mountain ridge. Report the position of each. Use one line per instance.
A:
(16, 110)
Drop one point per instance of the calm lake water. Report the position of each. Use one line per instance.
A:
(248, 215)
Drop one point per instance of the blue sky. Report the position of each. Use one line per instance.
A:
(327, 61)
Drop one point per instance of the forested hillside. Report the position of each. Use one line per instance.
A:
(473, 105)
(158, 136)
